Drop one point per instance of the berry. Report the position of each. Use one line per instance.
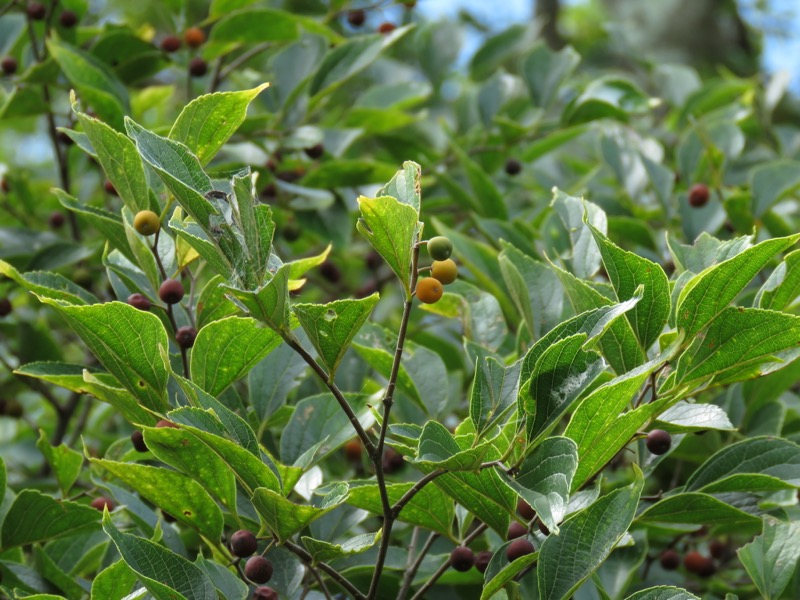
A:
(11, 408)
(445, 271)
(373, 260)
(194, 37)
(198, 67)
(109, 187)
(356, 17)
(516, 530)
(64, 138)
(392, 460)
(185, 336)
(168, 517)
(439, 248)
(699, 195)
(525, 510)
(244, 543)
(68, 19)
(291, 231)
(146, 222)
(139, 301)
(518, 548)
(5, 307)
(330, 271)
(352, 450)
(171, 43)
(315, 151)
(4, 185)
(716, 548)
(36, 11)
(264, 592)
(658, 442)
(462, 559)
(171, 291)
(429, 290)
(513, 166)
(670, 560)
(386, 28)
(270, 191)
(137, 439)
(258, 569)
(56, 220)
(543, 528)
(9, 66)
(698, 564)
(165, 423)
(482, 560)
(101, 503)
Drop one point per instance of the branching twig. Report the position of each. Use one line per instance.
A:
(300, 552)
(413, 491)
(408, 576)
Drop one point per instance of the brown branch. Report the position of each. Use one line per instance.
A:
(301, 553)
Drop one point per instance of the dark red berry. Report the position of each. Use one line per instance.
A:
(699, 195)
(165, 423)
(670, 560)
(694, 561)
(330, 271)
(185, 336)
(243, 543)
(658, 442)
(271, 165)
(356, 17)
(290, 176)
(392, 460)
(482, 560)
(171, 291)
(137, 439)
(171, 43)
(525, 510)
(716, 548)
(36, 11)
(462, 559)
(5, 307)
(102, 502)
(139, 301)
(386, 27)
(291, 231)
(9, 66)
(264, 592)
(543, 528)
(64, 138)
(68, 19)
(258, 569)
(109, 187)
(56, 220)
(168, 517)
(513, 166)
(315, 151)
(270, 191)
(518, 548)
(198, 67)
(516, 530)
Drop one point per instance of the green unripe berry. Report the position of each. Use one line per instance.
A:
(440, 248)
(146, 222)
(445, 271)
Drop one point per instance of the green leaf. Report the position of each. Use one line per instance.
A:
(206, 123)
(271, 380)
(494, 392)
(337, 173)
(405, 186)
(257, 227)
(391, 228)
(484, 494)
(251, 26)
(534, 289)
(49, 285)
(771, 558)
(662, 592)
(545, 70)
(130, 343)
(285, 518)
(171, 491)
(608, 97)
(319, 418)
(697, 509)
(507, 574)
(227, 349)
(120, 161)
(781, 290)
(66, 462)
(438, 448)
(771, 182)
(577, 215)
(35, 517)
(331, 327)
(598, 426)
(166, 575)
(430, 508)
(192, 457)
(499, 48)
(325, 551)
(684, 417)
(270, 303)
(97, 85)
(545, 477)
(706, 251)
(709, 292)
(489, 200)
(114, 582)
(741, 343)
(194, 235)
(627, 271)
(586, 539)
(776, 457)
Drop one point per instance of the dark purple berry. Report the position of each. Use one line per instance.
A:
(699, 195)
(356, 17)
(5, 307)
(68, 19)
(516, 530)
(139, 301)
(462, 559)
(36, 11)
(518, 548)
(171, 43)
(171, 291)
(137, 439)
(315, 151)
(670, 560)
(244, 543)
(9, 66)
(658, 442)
(513, 166)
(482, 560)
(258, 569)
(198, 67)
(525, 510)
(185, 336)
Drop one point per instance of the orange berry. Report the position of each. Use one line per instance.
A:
(429, 290)
(194, 37)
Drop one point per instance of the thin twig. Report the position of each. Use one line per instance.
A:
(414, 490)
(240, 60)
(333, 573)
(320, 581)
(408, 576)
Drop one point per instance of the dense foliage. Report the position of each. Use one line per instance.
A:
(388, 326)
